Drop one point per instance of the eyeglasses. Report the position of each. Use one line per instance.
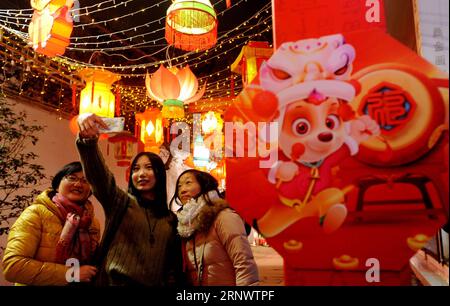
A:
(74, 179)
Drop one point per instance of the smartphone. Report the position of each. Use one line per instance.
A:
(115, 125)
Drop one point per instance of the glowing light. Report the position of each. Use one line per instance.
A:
(172, 88)
(51, 26)
(191, 25)
(149, 129)
(97, 97)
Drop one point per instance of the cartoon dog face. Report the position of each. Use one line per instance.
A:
(311, 132)
(327, 57)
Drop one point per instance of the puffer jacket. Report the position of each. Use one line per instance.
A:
(219, 249)
(30, 252)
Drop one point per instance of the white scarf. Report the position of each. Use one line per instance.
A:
(186, 217)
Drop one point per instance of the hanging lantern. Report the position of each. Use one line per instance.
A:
(212, 125)
(220, 173)
(73, 125)
(97, 97)
(51, 26)
(250, 59)
(212, 122)
(191, 25)
(172, 88)
(124, 148)
(189, 162)
(149, 129)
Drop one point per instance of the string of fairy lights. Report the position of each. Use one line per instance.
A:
(194, 61)
(211, 85)
(215, 86)
(222, 41)
(25, 35)
(197, 59)
(100, 7)
(8, 14)
(134, 97)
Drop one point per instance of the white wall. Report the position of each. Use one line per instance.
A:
(55, 148)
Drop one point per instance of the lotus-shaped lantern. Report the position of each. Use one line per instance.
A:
(172, 88)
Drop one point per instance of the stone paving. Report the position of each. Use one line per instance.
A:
(270, 266)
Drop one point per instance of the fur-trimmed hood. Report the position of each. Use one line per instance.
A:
(202, 221)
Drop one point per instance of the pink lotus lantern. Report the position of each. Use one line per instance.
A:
(172, 88)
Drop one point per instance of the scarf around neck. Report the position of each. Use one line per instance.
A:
(74, 241)
(187, 216)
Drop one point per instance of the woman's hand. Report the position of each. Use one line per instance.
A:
(89, 125)
(87, 273)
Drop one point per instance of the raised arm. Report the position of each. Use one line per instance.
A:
(97, 173)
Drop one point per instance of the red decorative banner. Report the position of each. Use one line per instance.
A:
(294, 20)
(339, 186)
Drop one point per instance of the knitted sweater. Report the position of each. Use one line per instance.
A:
(133, 257)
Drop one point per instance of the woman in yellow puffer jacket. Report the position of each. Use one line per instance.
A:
(59, 225)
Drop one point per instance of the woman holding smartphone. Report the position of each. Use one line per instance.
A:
(140, 247)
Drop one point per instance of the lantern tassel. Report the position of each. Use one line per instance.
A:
(74, 98)
(228, 3)
(117, 101)
(92, 93)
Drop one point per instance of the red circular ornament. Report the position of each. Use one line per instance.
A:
(407, 106)
(265, 104)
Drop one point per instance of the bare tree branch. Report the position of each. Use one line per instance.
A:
(19, 175)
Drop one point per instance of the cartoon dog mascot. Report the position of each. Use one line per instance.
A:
(316, 129)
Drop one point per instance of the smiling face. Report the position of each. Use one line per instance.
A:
(311, 132)
(188, 187)
(143, 176)
(75, 187)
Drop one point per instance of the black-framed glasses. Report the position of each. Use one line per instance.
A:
(74, 179)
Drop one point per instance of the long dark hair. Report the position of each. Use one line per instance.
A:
(160, 204)
(206, 181)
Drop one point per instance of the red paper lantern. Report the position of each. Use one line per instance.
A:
(149, 129)
(73, 125)
(124, 148)
(250, 59)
